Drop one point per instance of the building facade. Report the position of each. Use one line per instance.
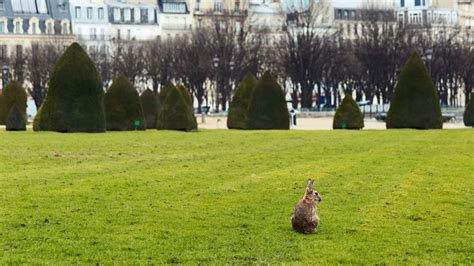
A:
(133, 20)
(24, 22)
(90, 24)
(175, 18)
(465, 9)
(427, 12)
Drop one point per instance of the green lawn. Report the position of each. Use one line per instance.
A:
(154, 197)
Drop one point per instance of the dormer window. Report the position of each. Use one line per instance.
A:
(65, 27)
(18, 25)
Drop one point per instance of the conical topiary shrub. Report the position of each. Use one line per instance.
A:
(189, 101)
(150, 105)
(2, 110)
(16, 120)
(415, 101)
(469, 113)
(348, 115)
(123, 110)
(75, 100)
(175, 113)
(238, 109)
(13, 94)
(267, 107)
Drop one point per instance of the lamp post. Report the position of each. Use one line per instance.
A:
(5, 72)
(215, 60)
(231, 81)
(428, 58)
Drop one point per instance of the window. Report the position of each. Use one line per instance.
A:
(237, 6)
(49, 28)
(17, 27)
(136, 15)
(89, 12)
(217, 6)
(93, 34)
(402, 3)
(3, 51)
(198, 5)
(144, 15)
(116, 14)
(2, 27)
(417, 2)
(127, 14)
(78, 12)
(118, 34)
(100, 14)
(65, 28)
(33, 28)
(2, 4)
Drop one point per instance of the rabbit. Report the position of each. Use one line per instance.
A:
(305, 218)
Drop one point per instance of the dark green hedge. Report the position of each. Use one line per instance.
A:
(75, 100)
(16, 120)
(469, 113)
(348, 115)
(123, 110)
(189, 101)
(3, 118)
(150, 105)
(13, 94)
(238, 109)
(175, 112)
(267, 107)
(415, 102)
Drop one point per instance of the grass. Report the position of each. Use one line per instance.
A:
(154, 197)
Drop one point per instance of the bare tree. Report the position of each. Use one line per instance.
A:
(301, 50)
(40, 63)
(128, 59)
(159, 62)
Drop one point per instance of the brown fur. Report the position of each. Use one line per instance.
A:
(305, 218)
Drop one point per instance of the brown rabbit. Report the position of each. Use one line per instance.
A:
(305, 219)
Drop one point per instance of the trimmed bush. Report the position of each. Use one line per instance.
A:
(123, 110)
(267, 107)
(348, 115)
(415, 101)
(150, 105)
(16, 120)
(469, 113)
(189, 101)
(2, 110)
(75, 100)
(175, 113)
(164, 92)
(13, 94)
(238, 109)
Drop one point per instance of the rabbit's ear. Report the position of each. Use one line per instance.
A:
(310, 183)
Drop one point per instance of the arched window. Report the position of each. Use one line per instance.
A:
(65, 26)
(34, 26)
(50, 26)
(18, 25)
